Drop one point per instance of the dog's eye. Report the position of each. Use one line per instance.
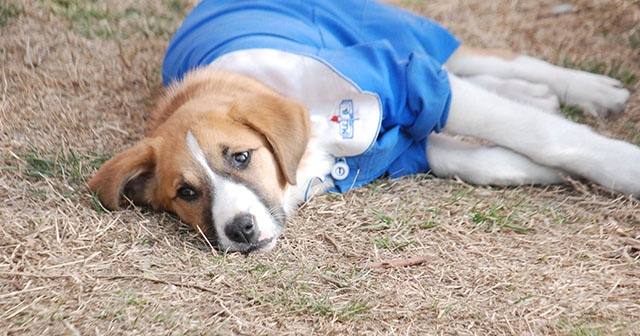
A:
(187, 193)
(241, 160)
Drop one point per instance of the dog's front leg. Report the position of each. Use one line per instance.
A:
(544, 138)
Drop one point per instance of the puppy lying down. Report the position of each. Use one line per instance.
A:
(269, 102)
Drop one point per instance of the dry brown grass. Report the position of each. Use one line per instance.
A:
(77, 80)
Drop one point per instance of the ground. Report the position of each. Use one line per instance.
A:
(77, 81)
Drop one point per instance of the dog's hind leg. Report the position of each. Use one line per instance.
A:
(485, 165)
(544, 138)
(534, 94)
(596, 93)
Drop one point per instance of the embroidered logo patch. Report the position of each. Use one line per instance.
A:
(345, 119)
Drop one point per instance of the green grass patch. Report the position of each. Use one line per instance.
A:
(428, 225)
(352, 309)
(168, 319)
(634, 133)
(498, 215)
(90, 18)
(524, 298)
(385, 222)
(9, 10)
(177, 6)
(613, 69)
(584, 327)
(289, 292)
(322, 305)
(460, 194)
(573, 113)
(94, 19)
(392, 244)
(68, 166)
(634, 40)
(65, 171)
(431, 222)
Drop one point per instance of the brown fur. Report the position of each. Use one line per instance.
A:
(225, 112)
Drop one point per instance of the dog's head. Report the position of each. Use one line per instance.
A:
(221, 155)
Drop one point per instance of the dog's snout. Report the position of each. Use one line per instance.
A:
(242, 229)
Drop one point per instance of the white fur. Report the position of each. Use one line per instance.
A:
(595, 93)
(311, 177)
(535, 147)
(485, 165)
(232, 198)
(538, 95)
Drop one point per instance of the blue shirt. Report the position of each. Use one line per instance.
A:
(382, 50)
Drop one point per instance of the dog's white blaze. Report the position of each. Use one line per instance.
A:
(230, 199)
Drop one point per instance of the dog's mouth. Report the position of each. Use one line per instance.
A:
(261, 246)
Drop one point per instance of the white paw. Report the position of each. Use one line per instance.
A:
(534, 94)
(597, 94)
(620, 168)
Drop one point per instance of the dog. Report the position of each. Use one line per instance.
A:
(271, 101)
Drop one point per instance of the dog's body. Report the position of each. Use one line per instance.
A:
(234, 148)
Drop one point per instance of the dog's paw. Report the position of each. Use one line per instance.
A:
(597, 94)
(533, 94)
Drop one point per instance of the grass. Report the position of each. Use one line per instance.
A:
(65, 171)
(584, 327)
(69, 166)
(76, 81)
(573, 113)
(297, 297)
(634, 133)
(95, 19)
(498, 215)
(8, 10)
(615, 69)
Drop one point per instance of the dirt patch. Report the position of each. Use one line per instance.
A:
(77, 82)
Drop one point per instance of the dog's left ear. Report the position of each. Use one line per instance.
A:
(284, 123)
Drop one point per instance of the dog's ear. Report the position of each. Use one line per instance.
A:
(283, 122)
(127, 177)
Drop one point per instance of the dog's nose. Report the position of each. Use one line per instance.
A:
(241, 229)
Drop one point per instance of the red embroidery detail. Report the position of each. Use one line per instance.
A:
(335, 119)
